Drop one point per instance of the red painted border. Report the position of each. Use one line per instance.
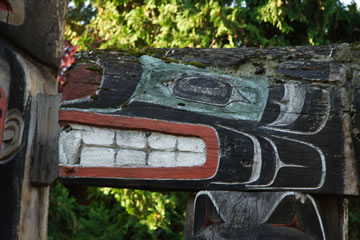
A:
(205, 171)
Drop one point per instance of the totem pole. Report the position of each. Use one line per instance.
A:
(30, 52)
(279, 124)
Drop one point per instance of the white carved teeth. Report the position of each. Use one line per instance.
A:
(90, 146)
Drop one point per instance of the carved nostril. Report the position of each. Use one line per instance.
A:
(246, 162)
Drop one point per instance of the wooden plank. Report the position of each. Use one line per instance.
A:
(44, 169)
(287, 127)
(24, 206)
(37, 27)
(270, 215)
(355, 117)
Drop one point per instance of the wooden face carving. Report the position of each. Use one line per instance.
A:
(11, 105)
(12, 12)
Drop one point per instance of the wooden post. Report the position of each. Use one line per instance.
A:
(31, 34)
(189, 221)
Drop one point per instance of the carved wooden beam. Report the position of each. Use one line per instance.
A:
(273, 119)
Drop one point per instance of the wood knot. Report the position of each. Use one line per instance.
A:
(259, 70)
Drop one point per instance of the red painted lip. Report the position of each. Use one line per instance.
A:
(205, 171)
(6, 6)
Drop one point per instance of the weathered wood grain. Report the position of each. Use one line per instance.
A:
(189, 221)
(36, 27)
(44, 169)
(283, 117)
(267, 215)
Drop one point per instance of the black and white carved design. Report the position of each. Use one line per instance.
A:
(244, 215)
(271, 166)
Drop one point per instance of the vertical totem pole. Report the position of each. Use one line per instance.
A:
(31, 38)
(267, 136)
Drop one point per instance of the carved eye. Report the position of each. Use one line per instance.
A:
(12, 134)
(203, 89)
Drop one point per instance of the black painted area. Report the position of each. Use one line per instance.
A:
(305, 70)
(303, 216)
(205, 214)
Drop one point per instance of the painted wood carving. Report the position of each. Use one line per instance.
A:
(266, 215)
(231, 119)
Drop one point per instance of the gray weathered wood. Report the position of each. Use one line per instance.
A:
(36, 27)
(44, 169)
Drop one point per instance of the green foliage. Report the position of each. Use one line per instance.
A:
(354, 218)
(62, 214)
(116, 214)
(154, 209)
(211, 23)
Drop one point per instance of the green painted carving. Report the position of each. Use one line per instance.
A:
(201, 90)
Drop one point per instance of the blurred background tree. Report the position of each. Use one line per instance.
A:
(134, 214)
(210, 23)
